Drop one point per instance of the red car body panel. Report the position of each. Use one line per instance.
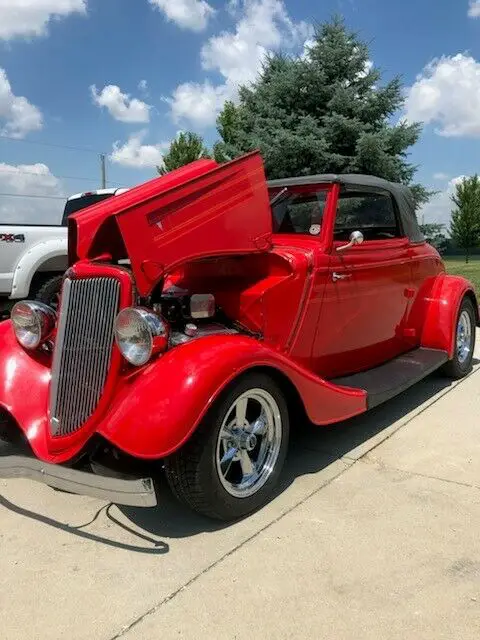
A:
(441, 311)
(161, 222)
(208, 229)
(168, 397)
(192, 376)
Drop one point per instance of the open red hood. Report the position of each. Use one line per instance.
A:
(200, 210)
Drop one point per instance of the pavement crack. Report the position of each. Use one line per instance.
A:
(424, 475)
(416, 414)
(348, 463)
(125, 630)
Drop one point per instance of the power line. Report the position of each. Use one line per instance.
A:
(51, 144)
(40, 175)
(31, 195)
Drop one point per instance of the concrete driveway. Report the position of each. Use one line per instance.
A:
(375, 533)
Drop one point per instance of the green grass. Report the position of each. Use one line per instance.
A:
(456, 266)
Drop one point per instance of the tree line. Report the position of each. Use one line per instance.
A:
(327, 111)
(463, 232)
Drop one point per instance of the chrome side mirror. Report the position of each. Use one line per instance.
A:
(356, 237)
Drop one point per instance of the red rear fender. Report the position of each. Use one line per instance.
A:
(441, 311)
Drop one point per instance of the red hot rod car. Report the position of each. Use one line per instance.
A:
(243, 303)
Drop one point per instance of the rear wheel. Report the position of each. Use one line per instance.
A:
(461, 363)
(231, 465)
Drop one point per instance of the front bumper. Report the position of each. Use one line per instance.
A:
(134, 493)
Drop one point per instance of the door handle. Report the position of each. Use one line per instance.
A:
(340, 276)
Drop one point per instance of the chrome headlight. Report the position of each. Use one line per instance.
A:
(139, 333)
(33, 323)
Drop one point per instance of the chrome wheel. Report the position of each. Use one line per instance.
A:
(249, 443)
(464, 337)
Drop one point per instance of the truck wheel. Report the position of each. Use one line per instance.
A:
(49, 292)
(231, 464)
(461, 363)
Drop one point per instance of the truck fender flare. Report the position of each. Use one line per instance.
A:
(170, 397)
(32, 260)
(442, 307)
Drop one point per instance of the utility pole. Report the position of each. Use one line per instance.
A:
(103, 170)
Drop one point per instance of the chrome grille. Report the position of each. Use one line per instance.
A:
(83, 351)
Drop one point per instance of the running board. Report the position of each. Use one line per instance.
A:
(397, 375)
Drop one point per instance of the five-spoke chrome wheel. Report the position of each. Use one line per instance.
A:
(232, 463)
(464, 337)
(249, 443)
(461, 362)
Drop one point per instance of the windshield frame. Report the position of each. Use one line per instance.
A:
(293, 191)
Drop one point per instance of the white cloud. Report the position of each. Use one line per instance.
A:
(120, 105)
(439, 208)
(187, 14)
(17, 114)
(307, 47)
(30, 179)
(447, 93)
(199, 103)
(137, 155)
(366, 69)
(232, 7)
(143, 87)
(440, 176)
(31, 17)
(263, 26)
(474, 9)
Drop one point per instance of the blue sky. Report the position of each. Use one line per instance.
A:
(123, 76)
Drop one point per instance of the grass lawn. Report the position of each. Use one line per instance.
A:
(456, 266)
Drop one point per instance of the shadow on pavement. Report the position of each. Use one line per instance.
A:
(173, 520)
(312, 449)
(159, 547)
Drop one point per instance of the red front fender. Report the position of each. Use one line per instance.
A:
(156, 410)
(441, 311)
(24, 384)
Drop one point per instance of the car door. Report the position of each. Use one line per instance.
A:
(366, 297)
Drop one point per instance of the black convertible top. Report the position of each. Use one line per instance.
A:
(354, 182)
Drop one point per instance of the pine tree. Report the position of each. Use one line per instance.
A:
(185, 148)
(323, 112)
(465, 224)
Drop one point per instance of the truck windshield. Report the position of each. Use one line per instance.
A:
(83, 202)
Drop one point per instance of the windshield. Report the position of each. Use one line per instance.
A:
(299, 213)
(72, 206)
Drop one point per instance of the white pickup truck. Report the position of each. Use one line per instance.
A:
(33, 258)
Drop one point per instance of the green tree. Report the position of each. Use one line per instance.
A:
(435, 234)
(228, 125)
(185, 148)
(324, 112)
(465, 224)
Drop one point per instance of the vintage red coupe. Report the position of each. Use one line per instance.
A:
(203, 311)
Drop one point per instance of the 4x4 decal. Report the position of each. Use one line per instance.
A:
(12, 237)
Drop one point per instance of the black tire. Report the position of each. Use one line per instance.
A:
(49, 292)
(458, 368)
(192, 471)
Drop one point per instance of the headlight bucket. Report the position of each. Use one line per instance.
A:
(140, 333)
(33, 323)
